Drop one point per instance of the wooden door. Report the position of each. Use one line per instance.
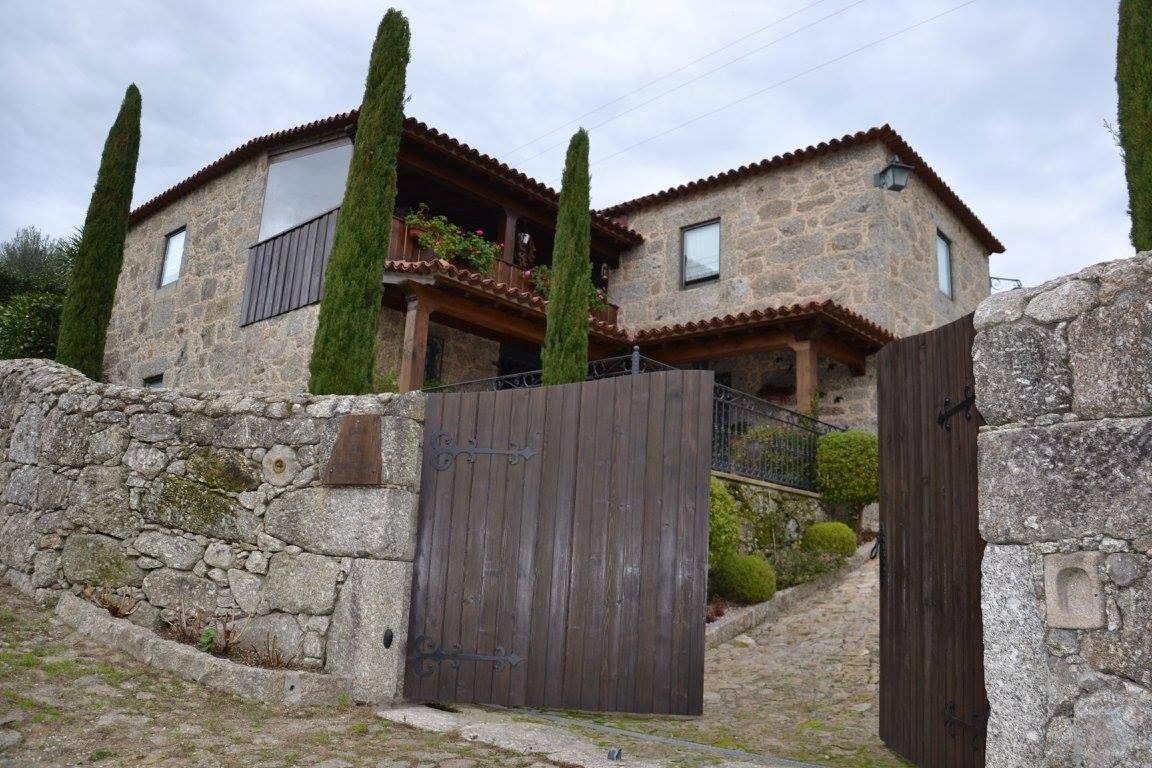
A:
(933, 708)
(562, 549)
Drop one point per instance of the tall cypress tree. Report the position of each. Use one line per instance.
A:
(565, 352)
(344, 351)
(92, 285)
(1134, 87)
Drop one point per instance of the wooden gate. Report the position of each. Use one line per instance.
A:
(933, 708)
(562, 552)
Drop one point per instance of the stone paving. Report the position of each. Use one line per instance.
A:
(802, 687)
(67, 701)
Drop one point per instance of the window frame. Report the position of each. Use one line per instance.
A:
(164, 256)
(951, 292)
(712, 278)
(296, 153)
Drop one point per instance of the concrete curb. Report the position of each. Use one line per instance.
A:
(283, 687)
(739, 621)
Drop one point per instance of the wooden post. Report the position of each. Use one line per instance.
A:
(806, 373)
(415, 345)
(509, 236)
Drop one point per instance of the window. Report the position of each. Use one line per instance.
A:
(944, 264)
(154, 382)
(304, 184)
(700, 244)
(173, 256)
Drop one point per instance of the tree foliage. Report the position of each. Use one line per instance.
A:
(565, 353)
(344, 352)
(723, 523)
(100, 254)
(1134, 89)
(29, 324)
(32, 262)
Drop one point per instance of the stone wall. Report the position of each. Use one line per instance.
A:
(1064, 379)
(811, 231)
(212, 503)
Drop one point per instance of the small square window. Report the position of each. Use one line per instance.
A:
(944, 264)
(700, 247)
(154, 382)
(173, 256)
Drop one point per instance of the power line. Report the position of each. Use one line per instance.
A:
(699, 77)
(785, 81)
(662, 77)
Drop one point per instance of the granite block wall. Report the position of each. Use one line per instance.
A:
(178, 501)
(1064, 380)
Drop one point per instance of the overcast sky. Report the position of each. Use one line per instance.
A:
(1005, 99)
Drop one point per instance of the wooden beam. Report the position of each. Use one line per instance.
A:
(415, 345)
(837, 350)
(807, 383)
(690, 351)
(508, 237)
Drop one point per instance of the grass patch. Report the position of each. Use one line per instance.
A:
(101, 754)
(359, 729)
(320, 738)
(112, 675)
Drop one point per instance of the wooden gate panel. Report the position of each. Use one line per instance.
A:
(573, 577)
(932, 702)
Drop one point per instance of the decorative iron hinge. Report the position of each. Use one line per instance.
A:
(978, 724)
(878, 553)
(445, 451)
(427, 656)
(944, 418)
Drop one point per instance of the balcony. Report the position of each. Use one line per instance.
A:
(286, 271)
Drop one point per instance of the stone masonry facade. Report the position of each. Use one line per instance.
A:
(1064, 380)
(176, 502)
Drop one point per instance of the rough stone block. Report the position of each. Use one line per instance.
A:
(1067, 300)
(1124, 568)
(1127, 650)
(349, 522)
(23, 447)
(301, 583)
(375, 598)
(248, 432)
(100, 500)
(166, 588)
(1107, 728)
(1110, 348)
(1015, 659)
(246, 591)
(89, 558)
(1066, 481)
(1021, 371)
(193, 507)
(145, 460)
(219, 555)
(64, 439)
(223, 470)
(1003, 307)
(1074, 590)
(153, 427)
(280, 466)
(400, 452)
(107, 444)
(174, 551)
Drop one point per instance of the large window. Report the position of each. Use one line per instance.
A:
(944, 264)
(304, 184)
(173, 256)
(700, 245)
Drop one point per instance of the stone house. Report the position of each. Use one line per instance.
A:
(784, 276)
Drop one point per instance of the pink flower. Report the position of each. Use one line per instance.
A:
(480, 232)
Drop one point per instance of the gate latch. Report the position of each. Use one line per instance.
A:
(944, 418)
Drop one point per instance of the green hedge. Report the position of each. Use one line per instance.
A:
(795, 566)
(744, 579)
(848, 468)
(723, 523)
(29, 324)
(833, 537)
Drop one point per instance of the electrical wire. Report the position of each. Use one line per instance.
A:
(785, 81)
(678, 70)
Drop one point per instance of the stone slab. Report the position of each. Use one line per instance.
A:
(1021, 370)
(348, 522)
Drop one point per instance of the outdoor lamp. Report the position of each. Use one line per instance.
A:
(894, 176)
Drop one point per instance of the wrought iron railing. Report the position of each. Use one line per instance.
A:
(750, 437)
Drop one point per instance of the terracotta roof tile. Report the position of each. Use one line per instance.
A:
(414, 130)
(892, 140)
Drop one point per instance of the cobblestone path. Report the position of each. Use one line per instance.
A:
(67, 701)
(807, 690)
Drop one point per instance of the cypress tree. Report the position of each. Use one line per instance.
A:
(344, 351)
(1134, 87)
(565, 352)
(92, 284)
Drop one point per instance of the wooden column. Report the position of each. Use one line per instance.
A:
(415, 345)
(509, 236)
(807, 383)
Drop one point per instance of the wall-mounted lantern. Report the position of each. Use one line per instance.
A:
(894, 176)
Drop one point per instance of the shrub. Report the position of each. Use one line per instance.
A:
(833, 537)
(541, 278)
(744, 579)
(452, 243)
(1134, 96)
(774, 451)
(723, 523)
(848, 468)
(795, 566)
(29, 324)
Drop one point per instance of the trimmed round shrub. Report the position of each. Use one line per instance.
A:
(829, 537)
(723, 523)
(744, 579)
(795, 566)
(848, 468)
